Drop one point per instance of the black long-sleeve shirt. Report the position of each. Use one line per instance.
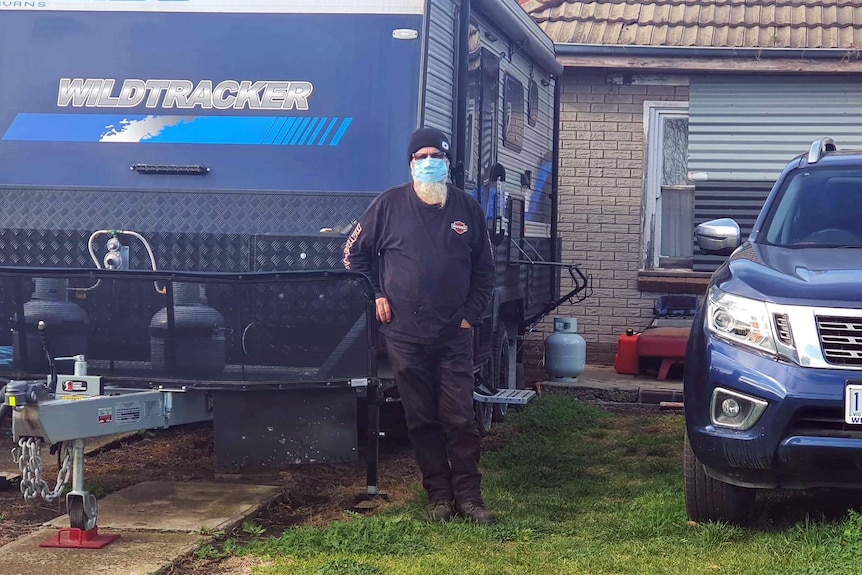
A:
(433, 263)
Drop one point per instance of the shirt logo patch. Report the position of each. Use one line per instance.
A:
(459, 227)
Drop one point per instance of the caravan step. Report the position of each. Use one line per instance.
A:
(508, 396)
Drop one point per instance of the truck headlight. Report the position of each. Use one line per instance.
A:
(735, 410)
(739, 320)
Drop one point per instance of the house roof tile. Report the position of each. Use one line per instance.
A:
(799, 24)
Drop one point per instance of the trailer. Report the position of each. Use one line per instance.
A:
(179, 178)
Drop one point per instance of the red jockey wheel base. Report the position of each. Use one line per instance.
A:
(74, 538)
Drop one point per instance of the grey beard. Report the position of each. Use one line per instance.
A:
(432, 194)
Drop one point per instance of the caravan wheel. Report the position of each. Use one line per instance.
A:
(500, 366)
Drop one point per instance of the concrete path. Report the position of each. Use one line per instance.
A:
(600, 383)
(134, 553)
(158, 523)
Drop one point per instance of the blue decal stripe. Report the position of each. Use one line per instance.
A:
(344, 125)
(279, 122)
(539, 189)
(326, 134)
(307, 131)
(317, 130)
(176, 129)
(302, 125)
(60, 127)
(284, 130)
(289, 134)
(202, 130)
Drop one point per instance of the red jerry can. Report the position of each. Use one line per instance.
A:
(627, 362)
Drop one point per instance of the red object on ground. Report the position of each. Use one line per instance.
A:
(79, 539)
(627, 361)
(668, 343)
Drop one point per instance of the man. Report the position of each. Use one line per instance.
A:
(433, 275)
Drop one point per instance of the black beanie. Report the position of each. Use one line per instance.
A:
(427, 138)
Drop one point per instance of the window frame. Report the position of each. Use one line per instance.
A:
(655, 112)
(532, 103)
(514, 102)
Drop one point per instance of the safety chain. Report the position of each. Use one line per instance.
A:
(29, 460)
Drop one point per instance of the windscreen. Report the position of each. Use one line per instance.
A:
(818, 208)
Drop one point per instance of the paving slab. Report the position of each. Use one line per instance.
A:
(134, 553)
(173, 506)
(158, 523)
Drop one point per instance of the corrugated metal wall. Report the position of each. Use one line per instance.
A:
(738, 200)
(746, 128)
(440, 78)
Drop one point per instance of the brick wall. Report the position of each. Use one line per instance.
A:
(602, 154)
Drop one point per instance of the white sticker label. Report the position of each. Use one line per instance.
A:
(152, 408)
(128, 412)
(106, 415)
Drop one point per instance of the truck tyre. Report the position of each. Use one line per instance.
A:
(707, 499)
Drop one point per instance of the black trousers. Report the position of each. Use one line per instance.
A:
(435, 382)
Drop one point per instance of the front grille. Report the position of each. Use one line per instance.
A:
(841, 339)
(822, 422)
(782, 326)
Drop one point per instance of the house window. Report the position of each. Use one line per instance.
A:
(669, 196)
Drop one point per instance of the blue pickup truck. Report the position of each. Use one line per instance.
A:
(773, 379)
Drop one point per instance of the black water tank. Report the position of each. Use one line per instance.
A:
(198, 334)
(66, 324)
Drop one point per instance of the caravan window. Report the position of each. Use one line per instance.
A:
(533, 104)
(513, 120)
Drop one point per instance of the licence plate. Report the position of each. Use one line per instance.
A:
(853, 404)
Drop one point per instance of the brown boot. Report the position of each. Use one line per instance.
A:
(441, 511)
(477, 513)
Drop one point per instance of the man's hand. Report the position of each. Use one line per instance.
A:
(384, 312)
(465, 324)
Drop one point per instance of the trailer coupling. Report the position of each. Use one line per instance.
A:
(81, 407)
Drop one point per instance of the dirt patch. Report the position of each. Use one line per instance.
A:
(316, 495)
(18, 518)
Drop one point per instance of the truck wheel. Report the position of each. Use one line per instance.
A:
(499, 365)
(707, 499)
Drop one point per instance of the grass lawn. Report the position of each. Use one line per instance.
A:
(581, 491)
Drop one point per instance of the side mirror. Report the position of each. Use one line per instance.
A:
(718, 237)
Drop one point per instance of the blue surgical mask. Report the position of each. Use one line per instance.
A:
(430, 170)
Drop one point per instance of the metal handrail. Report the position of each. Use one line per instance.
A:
(583, 284)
